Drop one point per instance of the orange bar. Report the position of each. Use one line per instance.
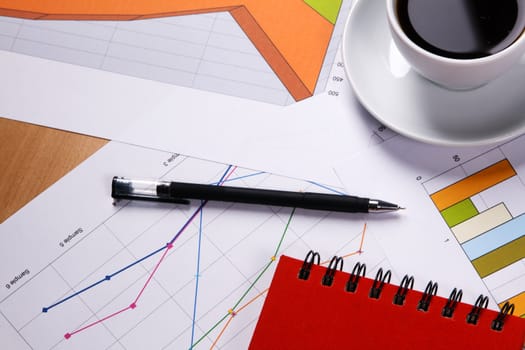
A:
(473, 184)
(290, 35)
(519, 304)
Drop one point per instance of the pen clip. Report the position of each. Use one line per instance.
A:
(164, 200)
(178, 201)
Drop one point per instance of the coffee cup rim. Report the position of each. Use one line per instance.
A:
(393, 20)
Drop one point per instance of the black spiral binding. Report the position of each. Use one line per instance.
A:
(452, 302)
(481, 303)
(310, 259)
(379, 282)
(358, 271)
(328, 278)
(498, 322)
(407, 283)
(426, 298)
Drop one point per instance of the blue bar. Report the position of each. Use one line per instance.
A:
(495, 238)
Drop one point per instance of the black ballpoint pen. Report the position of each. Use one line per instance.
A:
(181, 192)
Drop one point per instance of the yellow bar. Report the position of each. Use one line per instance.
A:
(519, 304)
(483, 222)
(473, 184)
(500, 257)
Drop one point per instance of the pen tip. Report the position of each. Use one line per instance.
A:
(382, 206)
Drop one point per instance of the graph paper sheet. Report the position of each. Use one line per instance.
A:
(271, 51)
(78, 272)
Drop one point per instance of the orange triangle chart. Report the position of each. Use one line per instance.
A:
(290, 35)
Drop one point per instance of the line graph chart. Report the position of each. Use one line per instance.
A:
(157, 275)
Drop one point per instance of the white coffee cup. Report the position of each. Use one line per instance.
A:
(454, 73)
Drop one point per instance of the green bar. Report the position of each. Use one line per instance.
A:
(499, 258)
(329, 9)
(459, 212)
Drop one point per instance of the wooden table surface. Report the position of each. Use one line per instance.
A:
(34, 157)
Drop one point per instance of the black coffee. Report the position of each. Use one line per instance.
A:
(461, 28)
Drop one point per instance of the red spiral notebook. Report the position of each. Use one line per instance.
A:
(314, 307)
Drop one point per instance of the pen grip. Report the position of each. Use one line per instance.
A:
(306, 200)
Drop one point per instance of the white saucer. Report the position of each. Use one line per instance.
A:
(413, 106)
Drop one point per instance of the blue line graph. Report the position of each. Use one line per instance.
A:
(197, 278)
(110, 276)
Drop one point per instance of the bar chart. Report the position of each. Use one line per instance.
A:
(491, 231)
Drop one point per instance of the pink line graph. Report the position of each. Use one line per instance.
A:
(70, 334)
(133, 305)
(168, 247)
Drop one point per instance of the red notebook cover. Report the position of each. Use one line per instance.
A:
(307, 314)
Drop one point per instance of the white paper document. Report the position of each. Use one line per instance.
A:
(79, 272)
(128, 81)
(303, 137)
